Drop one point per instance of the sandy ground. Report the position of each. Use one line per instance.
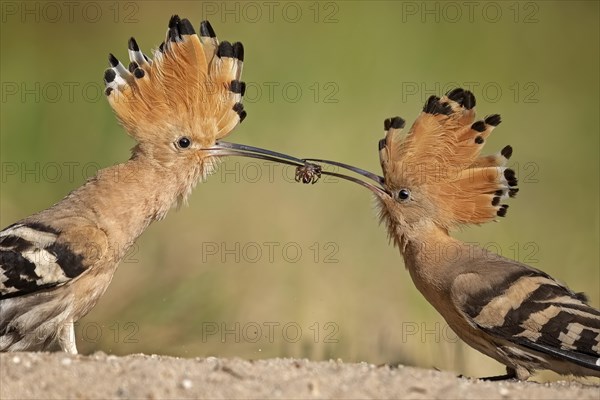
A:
(101, 376)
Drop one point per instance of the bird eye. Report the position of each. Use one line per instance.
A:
(184, 142)
(403, 194)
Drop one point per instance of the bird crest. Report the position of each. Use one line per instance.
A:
(190, 86)
(441, 157)
(435, 171)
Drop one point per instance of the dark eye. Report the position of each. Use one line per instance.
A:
(403, 194)
(184, 142)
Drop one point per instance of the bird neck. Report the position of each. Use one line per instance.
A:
(124, 199)
(430, 254)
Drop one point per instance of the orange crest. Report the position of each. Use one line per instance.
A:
(440, 156)
(191, 86)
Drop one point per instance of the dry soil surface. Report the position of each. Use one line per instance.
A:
(101, 376)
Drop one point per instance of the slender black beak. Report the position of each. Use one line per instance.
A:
(222, 148)
(311, 171)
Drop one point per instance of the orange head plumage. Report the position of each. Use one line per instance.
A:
(178, 104)
(190, 89)
(434, 174)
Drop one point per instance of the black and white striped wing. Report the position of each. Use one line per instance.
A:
(34, 256)
(530, 309)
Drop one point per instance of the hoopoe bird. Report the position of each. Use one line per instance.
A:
(57, 263)
(434, 179)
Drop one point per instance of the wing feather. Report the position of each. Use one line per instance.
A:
(35, 256)
(527, 307)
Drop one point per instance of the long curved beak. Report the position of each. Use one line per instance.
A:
(222, 148)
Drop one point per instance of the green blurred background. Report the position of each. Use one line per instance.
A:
(258, 266)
